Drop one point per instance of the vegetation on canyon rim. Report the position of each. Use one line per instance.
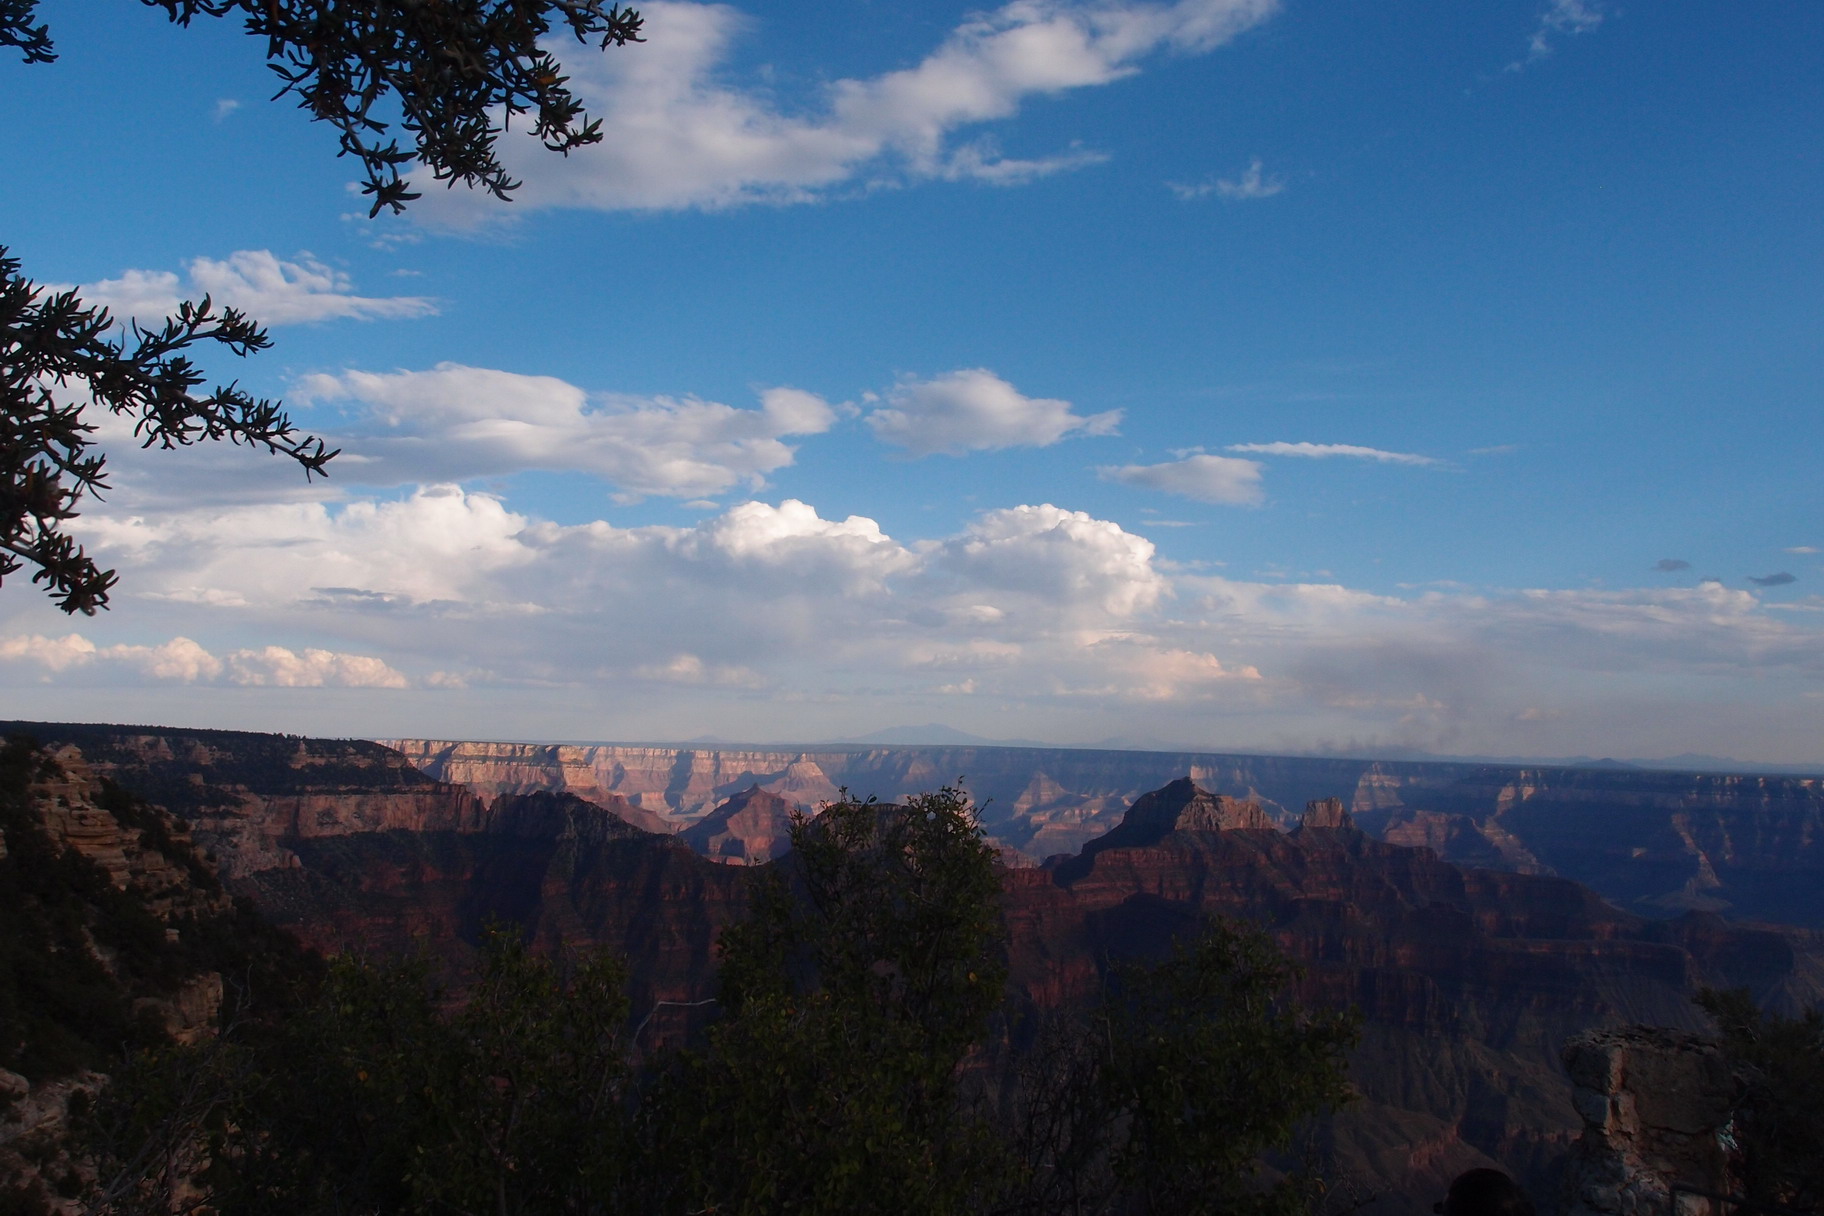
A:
(457, 74)
(1779, 1118)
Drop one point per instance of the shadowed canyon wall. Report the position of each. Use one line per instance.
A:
(1470, 980)
(1657, 843)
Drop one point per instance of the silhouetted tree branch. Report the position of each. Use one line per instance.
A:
(450, 65)
(58, 357)
(457, 71)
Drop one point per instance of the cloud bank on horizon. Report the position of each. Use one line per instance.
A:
(1036, 610)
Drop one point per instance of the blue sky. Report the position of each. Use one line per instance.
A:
(1219, 373)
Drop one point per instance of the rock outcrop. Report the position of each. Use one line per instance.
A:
(1660, 843)
(752, 827)
(248, 798)
(1179, 806)
(1326, 815)
(145, 854)
(1653, 1103)
(66, 798)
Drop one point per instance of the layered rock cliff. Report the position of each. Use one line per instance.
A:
(672, 785)
(1751, 846)
(1470, 980)
(572, 877)
(115, 935)
(1654, 842)
(248, 798)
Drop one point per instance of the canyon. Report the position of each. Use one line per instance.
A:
(1658, 843)
(1422, 894)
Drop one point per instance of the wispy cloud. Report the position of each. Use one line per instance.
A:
(1561, 19)
(267, 288)
(685, 136)
(1670, 564)
(224, 107)
(1780, 579)
(1324, 451)
(1803, 550)
(1253, 183)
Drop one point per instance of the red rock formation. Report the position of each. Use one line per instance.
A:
(752, 827)
(1470, 980)
(249, 798)
(1658, 842)
(1326, 814)
(673, 785)
(1661, 842)
(65, 798)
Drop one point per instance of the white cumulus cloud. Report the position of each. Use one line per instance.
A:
(1051, 557)
(791, 542)
(54, 654)
(267, 288)
(438, 545)
(455, 422)
(1142, 669)
(180, 660)
(1221, 479)
(183, 661)
(275, 665)
(684, 135)
(974, 410)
